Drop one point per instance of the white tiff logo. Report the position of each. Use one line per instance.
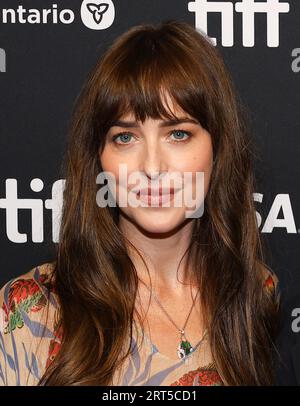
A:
(12, 204)
(248, 8)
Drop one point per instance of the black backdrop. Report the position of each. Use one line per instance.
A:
(43, 65)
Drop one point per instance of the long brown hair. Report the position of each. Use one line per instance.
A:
(95, 279)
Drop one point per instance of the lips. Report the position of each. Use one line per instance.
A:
(156, 197)
(156, 192)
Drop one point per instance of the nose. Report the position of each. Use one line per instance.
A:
(153, 161)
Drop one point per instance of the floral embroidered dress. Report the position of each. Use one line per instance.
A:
(24, 356)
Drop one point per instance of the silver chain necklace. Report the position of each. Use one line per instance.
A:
(184, 347)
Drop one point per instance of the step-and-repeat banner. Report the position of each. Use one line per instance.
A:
(47, 49)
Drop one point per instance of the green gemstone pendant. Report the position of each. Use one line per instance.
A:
(184, 347)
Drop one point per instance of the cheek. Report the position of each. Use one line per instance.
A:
(198, 158)
(110, 162)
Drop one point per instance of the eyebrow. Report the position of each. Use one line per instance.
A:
(167, 123)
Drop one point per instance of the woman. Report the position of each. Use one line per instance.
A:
(148, 295)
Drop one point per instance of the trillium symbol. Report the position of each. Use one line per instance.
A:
(97, 10)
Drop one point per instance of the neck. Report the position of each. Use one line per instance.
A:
(162, 254)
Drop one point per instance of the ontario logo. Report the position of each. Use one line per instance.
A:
(97, 15)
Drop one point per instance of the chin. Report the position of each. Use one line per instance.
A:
(158, 220)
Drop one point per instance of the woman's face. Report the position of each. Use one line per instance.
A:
(153, 148)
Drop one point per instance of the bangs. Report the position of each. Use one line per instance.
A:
(136, 79)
